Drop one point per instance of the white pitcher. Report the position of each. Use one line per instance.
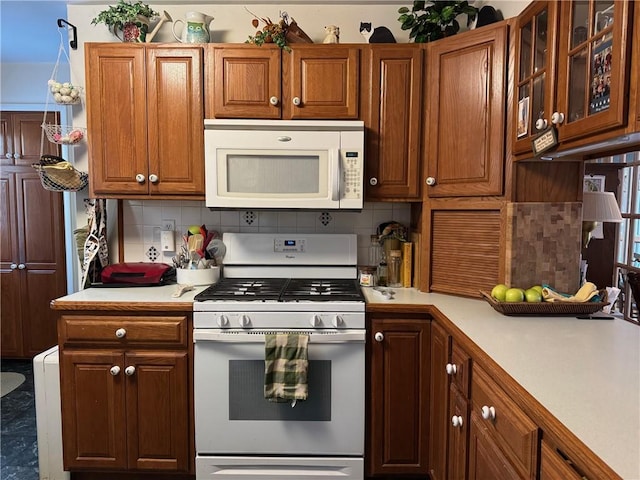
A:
(195, 28)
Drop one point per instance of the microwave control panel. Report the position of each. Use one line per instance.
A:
(352, 166)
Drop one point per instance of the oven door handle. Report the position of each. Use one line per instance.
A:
(204, 335)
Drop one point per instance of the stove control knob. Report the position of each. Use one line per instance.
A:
(338, 321)
(315, 321)
(244, 320)
(223, 321)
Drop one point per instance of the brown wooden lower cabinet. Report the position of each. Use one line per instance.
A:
(439, 402)
(486, 460)
(458, 434)
(399, 408)
(125, 395)
(556, 466)
(489, 427)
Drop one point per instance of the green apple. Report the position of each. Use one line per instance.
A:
(514, 295)
(193, 229)
(498, 292)
(538, 288)
(532, 295)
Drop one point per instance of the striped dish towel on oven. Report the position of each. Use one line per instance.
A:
(285, 367)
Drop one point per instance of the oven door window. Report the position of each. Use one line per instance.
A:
(233, 417)
(246, 394)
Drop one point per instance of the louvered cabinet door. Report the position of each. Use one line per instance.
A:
(465, 251)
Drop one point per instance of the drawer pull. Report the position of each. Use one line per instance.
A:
(456, 421)
(115, 370)
(130, 370)
(121, 333)
(488, 413)
(452, 369)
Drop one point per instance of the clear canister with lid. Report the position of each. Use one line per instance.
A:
(394, 268)
(368, 275)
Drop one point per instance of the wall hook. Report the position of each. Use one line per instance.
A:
(73, 41)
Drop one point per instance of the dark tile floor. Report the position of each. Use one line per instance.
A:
(18, 437)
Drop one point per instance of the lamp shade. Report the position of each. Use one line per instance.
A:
(600, 207)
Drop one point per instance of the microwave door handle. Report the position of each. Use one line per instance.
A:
(335, 187)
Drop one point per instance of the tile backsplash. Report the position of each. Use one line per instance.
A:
(142, 223)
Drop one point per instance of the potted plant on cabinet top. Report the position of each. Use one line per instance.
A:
(429, 21)
(132, 19)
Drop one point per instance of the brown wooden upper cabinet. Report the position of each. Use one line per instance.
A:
(145, 115)
(572, 69)
(309, 82)
(464, 128)
(392, 112)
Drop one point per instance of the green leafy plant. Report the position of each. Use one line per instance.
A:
(115, 17)
(429, 21)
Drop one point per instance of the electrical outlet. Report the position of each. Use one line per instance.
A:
(168, 225)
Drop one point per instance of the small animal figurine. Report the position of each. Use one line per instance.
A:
(332, 34)
(378, 35)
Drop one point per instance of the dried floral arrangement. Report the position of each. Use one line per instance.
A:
(281, 33)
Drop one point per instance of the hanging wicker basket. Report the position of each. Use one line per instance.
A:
(65, 93)
(64, 134)
(58, 175)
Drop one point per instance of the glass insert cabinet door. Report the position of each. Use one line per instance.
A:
(593, 72)
(535, 71)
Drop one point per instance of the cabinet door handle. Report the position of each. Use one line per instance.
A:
(273, 100)
(121, 333)
(153, 178)
(373, 181)
(13, 266)
(379, 336)
(21, 266)
(130, 370)
(541, 124)
(431, 181)
(16, 155)
(140, 178)
(296, 101)
(488, 413)
(557, 118)
(451, 368)
(8, 155)
(115, 370)
(456, 421)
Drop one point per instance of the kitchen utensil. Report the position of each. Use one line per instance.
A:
(194, 244)
(216, 249)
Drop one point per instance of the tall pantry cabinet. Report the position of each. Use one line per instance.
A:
(32, 258)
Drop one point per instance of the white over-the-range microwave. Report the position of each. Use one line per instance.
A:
(289, 164)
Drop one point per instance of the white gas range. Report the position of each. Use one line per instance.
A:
(299, 283)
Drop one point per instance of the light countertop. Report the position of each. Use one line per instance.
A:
(586, 373)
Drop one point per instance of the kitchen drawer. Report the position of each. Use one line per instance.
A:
(123, 330)
(513, 431)
(460, 369)
(555, 466)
